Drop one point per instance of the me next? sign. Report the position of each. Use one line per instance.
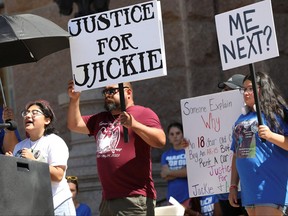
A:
(117, 46)
(246, 35)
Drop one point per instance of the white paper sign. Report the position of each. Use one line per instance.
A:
(207, 122)
(121, 45)
(246, 35)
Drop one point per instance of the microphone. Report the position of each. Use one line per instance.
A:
(9, 124)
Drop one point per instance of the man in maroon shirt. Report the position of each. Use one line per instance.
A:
(124, 168)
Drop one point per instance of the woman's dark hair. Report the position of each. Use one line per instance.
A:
(175, 124)
(272, 104)
(45, 107)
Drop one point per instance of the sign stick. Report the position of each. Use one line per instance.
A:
(2, 91)
(256, 96)
(123, 108)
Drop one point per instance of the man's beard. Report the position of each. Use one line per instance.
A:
(110, 106)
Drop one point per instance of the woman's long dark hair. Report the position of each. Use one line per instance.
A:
(272, 104)
(45, 107)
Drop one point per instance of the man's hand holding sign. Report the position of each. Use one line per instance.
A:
(110, 50)
(115, 47)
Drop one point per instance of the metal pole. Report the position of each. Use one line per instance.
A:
(123, 108)
(256, 96)
(2, 91)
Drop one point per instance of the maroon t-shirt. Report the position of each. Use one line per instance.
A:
(124, 169)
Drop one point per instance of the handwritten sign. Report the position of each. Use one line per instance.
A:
(246, 35)
(207, 122)
(121, 45)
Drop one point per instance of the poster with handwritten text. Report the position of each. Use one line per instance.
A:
(207, 122)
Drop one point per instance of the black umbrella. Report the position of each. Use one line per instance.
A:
(26, 38)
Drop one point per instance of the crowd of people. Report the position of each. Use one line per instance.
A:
(258, 149)
(258, 164)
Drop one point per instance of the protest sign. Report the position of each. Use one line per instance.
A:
(207, 123)
(121, 45)
(246, 35)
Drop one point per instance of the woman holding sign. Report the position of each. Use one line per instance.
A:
(261, 151)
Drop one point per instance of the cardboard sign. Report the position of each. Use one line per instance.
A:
(207, 122)
(246, 35)
(121, 45)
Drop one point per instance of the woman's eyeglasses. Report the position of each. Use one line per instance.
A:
(111, 91)
(249, 90)
(24, 113)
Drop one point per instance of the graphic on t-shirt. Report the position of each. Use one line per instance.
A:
(39, 156)
(108, 138)
(36, 153)
(244, 133)
(207, 205)
(176, 162)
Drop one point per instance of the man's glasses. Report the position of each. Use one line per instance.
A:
(111, 91)
(24, 113)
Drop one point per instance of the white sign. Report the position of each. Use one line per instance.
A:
(207, 122)
(121, 45)
(246, 35)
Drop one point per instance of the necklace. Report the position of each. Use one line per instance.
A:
(34, 144)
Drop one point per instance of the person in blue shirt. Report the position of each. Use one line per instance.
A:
(8, 137)
(81, 208)
(174, 171)
(260, 159)
(173, 163)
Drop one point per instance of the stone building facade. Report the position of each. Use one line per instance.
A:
(193, 63)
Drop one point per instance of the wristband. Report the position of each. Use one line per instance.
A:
(233, 186)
